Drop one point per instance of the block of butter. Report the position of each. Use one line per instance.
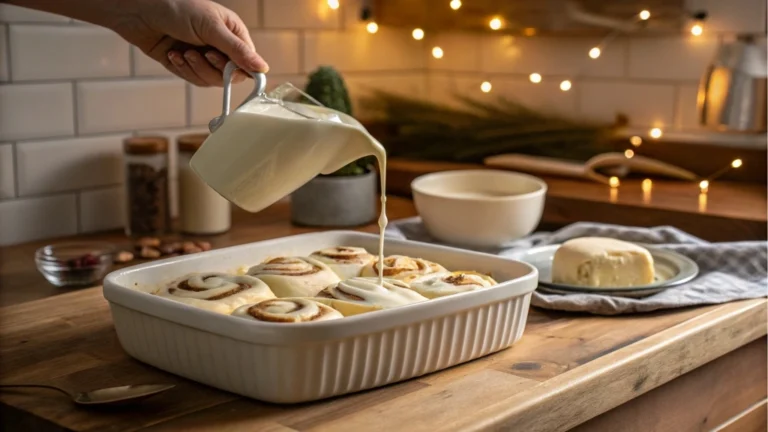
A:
(602, 262)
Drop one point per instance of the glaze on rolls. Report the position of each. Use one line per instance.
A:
(346, 261)
(443, 284)
(218, 292)
(402, 267)
(367, 291)
(288, 310)
(294, 276)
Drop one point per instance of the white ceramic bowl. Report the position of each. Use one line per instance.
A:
(479, 208)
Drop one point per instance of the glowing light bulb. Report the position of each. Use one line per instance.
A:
(486, 87)
(613, 182)
(333, 4)
(644, 15)
(565, 85)
(372, 27)
(697, 30)
(655, 133)
(704, 185)
(418, 34)
(437, 52)
(594, 52)
(736, 163)
(646, 185)
(629, 154)
(455, 4)
(495, 23)
(535, 78)
(635, 141)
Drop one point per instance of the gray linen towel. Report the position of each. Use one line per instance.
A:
(727, 271)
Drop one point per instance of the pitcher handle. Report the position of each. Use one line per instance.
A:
(259, 85)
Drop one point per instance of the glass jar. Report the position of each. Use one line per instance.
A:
(146, 186)
(201, 209)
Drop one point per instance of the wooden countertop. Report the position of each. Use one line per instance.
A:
(566, 370)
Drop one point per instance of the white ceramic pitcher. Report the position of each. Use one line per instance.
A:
(269, 147)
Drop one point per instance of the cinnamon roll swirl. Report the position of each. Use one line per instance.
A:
(444, 284)
(367, 291)
(346, 261)
(218, 292)
(294, 276)
(402, 267)
(288, 310)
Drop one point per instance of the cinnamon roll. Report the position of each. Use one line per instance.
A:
(444, 284)
(347, 308)
(288, 310)
(367, 291)
(218, 292)
(402, 267)
(294, 276)
(346, 261)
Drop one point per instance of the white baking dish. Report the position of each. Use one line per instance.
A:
(287, 363)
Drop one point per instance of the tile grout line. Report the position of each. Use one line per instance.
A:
(131, 61)
(302, 50)
(15, 163)
(75, 109)
(260, 8)
(188, 105)
(8, 50)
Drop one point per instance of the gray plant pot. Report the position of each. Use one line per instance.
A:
(346, 201)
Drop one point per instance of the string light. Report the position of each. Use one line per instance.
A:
(655, 133)
(418, 34)
(644, 15)
(704, 186)
(613, 182)
(486, 87)
(437, 52)
(646, 185)
(697, 30)
(635, 141)
(565, 85)
(535, 78)
(736, 163)
(372, 27)
(629, 154)
(594, 53)
(702, 202)
(333, 4)
(495, 23)
(455, 4)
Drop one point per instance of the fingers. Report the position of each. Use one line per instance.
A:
(182, 69)
(203, 69)
(231, 37)
(220, 62)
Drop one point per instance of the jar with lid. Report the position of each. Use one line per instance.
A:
(201, 209)
(146, 185)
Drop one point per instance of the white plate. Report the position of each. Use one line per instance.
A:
(671, 270)
(288, 363)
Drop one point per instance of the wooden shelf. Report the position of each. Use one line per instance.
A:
(733, 211)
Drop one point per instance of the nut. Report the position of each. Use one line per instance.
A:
(148, 252)
(124, 257)
(190, 248)
(171, 248)
(204, 245)
(148, 242)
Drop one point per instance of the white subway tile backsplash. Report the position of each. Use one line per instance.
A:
(411, 84)
(461, 52)
(359, 51)
(30, 111)
(7, 176)
(731, 16)
(125, 105)
(144, 65)
(304, 14)
(102, 209)
(65, 52)
(280, 49)
(19, 14)
(671, 58)
(551, 56)
(4, 61)
(545, 97)
(687, 114)
(247, 10)
(644, 104)
(30, 219)
(71, 164)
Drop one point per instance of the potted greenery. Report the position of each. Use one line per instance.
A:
(346, 197)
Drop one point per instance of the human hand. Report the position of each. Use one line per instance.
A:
(194, 39)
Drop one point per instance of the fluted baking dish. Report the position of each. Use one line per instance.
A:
(288, 363)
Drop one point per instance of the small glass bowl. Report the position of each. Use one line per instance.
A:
(75, 264)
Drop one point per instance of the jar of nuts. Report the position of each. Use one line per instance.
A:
(146, 185)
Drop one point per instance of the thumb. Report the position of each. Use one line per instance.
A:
(232, 38)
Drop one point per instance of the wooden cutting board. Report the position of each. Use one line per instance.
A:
(566, 369)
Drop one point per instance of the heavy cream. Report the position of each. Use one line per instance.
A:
(264, 151)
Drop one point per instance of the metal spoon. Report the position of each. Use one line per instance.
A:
(106, 396)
